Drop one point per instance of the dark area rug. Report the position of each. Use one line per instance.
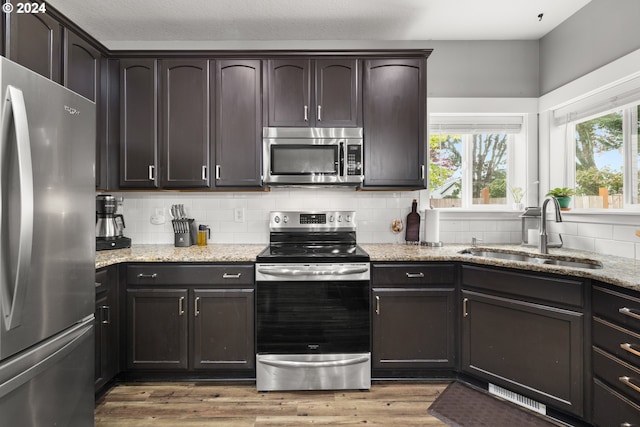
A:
(462, 406)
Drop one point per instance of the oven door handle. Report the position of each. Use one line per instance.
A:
(289, 272)
(324, 364)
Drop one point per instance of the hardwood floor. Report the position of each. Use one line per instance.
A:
(240, 405)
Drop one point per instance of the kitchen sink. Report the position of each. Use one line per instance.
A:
(535, 258)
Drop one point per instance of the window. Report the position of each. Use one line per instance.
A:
(473, 162)
(606, 160)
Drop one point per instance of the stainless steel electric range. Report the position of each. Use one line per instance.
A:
(312, 304)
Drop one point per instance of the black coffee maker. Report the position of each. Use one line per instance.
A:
(109, 225)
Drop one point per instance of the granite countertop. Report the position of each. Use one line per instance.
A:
(169, 253)
(618, 271)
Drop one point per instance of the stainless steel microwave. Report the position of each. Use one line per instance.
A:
(313, 156)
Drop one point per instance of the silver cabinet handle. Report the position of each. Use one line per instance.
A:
(627, 381)
(217, 171)
(181, 306)
(465, 302)
(196, 307)
(422, 172)
(231, 276)
(629, 348)
(306, 113)
(204, 172)
(152, 173)
(377, 305)
(415, 275)
(629, 312)
(147, 276)
(319, 113)
(14, 294)
(105, 320)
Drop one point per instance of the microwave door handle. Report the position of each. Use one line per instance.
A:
(341, 158)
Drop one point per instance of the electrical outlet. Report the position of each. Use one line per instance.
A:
(238, 214)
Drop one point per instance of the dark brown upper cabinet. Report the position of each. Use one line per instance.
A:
(34, 41)
(185, 123)
(138, 123)
(81, 66)
(395, 111)
(238, 122)
(313, 92)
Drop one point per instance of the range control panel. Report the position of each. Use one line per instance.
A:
(341, 220)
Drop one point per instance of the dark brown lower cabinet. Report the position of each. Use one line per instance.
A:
(191, 328)
(413, 320)
(223, 337)
(157, 329)
(529, 348)
(106, 327)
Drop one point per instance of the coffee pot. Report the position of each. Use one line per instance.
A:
(109, 225)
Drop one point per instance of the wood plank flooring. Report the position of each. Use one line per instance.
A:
(240, 405)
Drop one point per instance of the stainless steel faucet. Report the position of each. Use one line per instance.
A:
(544, 237)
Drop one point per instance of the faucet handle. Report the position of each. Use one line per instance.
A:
(474, 241)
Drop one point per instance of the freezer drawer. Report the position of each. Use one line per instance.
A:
(52, 383)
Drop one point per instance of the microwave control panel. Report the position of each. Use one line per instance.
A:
(354, 159)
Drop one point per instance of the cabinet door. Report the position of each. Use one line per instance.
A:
(34, 41)
(157, 329)
(223, 336)
(106, 326)
(138, 123)
(337, 91)
(394, 104)
(290, 93)
(81, 67)
(532, 349)
(185, 123)
(413, 328)
(238, 123)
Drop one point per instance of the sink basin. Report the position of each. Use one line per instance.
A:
(535, 258)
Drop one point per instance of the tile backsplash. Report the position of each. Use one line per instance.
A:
(242, 217)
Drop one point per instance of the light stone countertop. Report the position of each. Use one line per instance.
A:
(618, 271)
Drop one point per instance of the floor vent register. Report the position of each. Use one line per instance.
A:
(518, 399)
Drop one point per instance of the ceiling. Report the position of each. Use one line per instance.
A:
(207, 24)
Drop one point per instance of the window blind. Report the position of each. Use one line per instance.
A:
(612, 98)
(475, 124)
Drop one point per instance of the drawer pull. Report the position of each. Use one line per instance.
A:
(627, 381)
(629, 312)
(196, 307)
(105, 316)
(465, 313)
(377, 304)
(147, 276)
(628, 347)
(231, 276)
(626, 425)
(415, 275)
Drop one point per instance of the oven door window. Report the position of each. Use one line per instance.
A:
(304, 160)
(313, 317)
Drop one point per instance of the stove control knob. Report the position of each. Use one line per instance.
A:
(285, 219)
(276, 219)
(331, 218)
(339, 218)
(348, 218)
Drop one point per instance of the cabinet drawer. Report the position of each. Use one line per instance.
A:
(616, 340)
(185, 274)
(619, 375)
(413, 274)
(613, 409)
(617, 307)
(551, 289)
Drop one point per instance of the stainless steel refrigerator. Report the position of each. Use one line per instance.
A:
(47, 251)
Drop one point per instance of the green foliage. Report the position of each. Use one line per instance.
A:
(590, 180)
(498, 188)
(561, 192)
(597, 135)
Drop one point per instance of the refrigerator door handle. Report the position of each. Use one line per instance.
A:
(14, 112)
